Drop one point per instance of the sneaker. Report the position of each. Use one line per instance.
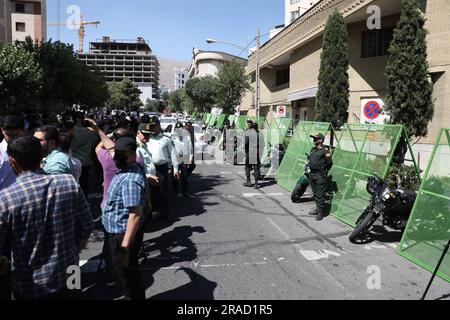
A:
(248, 184)
(319, 216)
(111, 283)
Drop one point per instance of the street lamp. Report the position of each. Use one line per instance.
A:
(258, 64)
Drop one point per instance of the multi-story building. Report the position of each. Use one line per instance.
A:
(19, 19)
(120, 59)
(181, 76)
(296, 8)
(208, 63)
(290, 62)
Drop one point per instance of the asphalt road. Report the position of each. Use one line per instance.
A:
(232, 242)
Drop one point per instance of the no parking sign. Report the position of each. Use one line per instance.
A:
(281, 111)
(372, 111)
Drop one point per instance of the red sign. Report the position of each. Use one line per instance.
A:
(372, 110)
(281, 111)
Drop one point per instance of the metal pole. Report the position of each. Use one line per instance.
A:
(437, 269)
(258, 73)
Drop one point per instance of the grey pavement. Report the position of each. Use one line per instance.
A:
(232, 242)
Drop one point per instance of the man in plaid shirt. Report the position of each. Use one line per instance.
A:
(47, 221)
(123, 218)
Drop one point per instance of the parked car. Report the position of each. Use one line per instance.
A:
(167, 121)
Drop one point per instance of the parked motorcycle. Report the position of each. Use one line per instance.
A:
(302, 184)
(394, 205)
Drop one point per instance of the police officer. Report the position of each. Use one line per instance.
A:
(161, 149)
(320, 162)
(253, 147)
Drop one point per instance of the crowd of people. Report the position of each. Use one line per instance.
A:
(48, 168)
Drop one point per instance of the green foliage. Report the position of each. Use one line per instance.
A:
(333, 94)
(176, 101)
(232, 84)
(65, 80)
(124, 95)
(403, 176)
(20, 74)
(203, 93)
(409, 100)
(152, 105)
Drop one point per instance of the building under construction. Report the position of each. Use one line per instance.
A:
(119, 59)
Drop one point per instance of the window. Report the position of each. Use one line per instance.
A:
(282, 77)
(20, 7)
(375, 43)
(295, 1)
(294, 15)
(20, 27)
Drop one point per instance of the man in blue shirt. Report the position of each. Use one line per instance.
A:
(47, 222)
(56, 161)
(123, 217)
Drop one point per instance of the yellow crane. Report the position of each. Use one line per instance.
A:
(81, 31)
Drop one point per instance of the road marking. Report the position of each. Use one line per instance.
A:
(375, 246)
(284, 233)
(316, 264)
(312, 255)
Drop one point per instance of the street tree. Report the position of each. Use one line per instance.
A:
(333, 94)
(203, 93)
(409, 90)
(176, 99)
(124, 95)
(132, 95)
(20, 74)
(152, 105)
(232, 84)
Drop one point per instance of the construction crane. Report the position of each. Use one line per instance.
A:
(81, 31)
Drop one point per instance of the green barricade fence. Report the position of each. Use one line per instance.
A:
(203, 117)
(295, 159)
(232, 119)
(428, 230)
(220, 121)
(259, 120)
(363, 150)
(241, 123)
(274, 134)
(212, 121)
(207, 119)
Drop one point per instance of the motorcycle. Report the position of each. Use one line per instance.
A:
(394, 205)
(302, 184)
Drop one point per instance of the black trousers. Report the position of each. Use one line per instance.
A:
(319, 187)
(129, 278)
(186, 170)
(84, 180)
(5, 279)
(253, 167)
(161, 193)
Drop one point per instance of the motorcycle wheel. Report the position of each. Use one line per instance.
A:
(298, 192)
(363, 226)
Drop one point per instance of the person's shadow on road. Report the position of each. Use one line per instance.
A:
(199, 288)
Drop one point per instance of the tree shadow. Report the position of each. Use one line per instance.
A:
(199, 288)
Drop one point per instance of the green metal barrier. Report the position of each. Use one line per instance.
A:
(241, 123)
(232, 119)
(207, 119)
(363, 151)
(203, 117)
(212, 121)
(220, 121)
(295, 159)
(428, 230)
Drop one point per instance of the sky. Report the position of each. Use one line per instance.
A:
(173, 27)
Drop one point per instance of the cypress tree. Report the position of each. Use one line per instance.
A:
(333, 94)
(409, 91)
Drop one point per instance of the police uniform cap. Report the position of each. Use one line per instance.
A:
(144, 128)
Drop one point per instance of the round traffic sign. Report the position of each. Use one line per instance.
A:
(372, 110)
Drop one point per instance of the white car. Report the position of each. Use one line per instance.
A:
(166, 122)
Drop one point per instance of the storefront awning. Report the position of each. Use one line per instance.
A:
(303, 94)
